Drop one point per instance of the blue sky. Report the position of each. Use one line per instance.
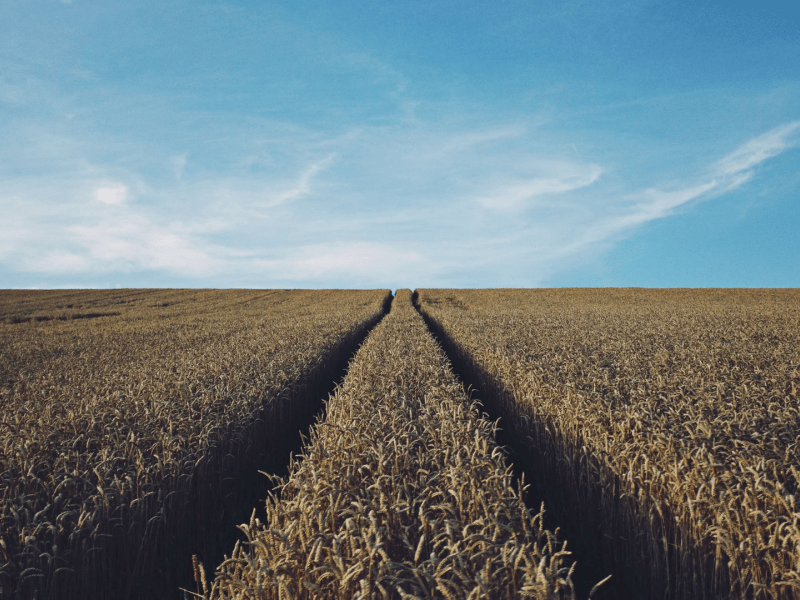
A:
(399, 144)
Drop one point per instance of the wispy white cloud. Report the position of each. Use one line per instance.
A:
(302, 187)
(759, 149)
(134, 242)
(115, 194)
(573, 177)
(594, 229)
(100, 233)
(727, 174)
(656, 204)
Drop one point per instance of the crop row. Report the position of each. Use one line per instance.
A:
(666, 424)
(131, 434)
(400, 492)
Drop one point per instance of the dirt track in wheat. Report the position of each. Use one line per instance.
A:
(401, 492)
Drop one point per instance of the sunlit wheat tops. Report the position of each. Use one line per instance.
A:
(401, 492)
(126, 415)
(669, 420)
(662, 428)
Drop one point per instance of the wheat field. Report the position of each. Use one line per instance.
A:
(653, 444)
(134, 423)
(665, 423)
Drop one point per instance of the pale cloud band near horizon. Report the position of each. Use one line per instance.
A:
(118, 235)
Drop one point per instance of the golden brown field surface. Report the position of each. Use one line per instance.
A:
(130, 421)
(401, 492)
(666, 423)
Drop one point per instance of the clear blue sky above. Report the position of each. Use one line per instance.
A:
(399, 144)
